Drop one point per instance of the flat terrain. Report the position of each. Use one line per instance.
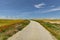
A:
(34, 31)
(53, 26)
(10, 27)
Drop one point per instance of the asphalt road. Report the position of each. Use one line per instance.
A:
(34, 31)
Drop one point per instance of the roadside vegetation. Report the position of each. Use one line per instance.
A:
(10, 27)
(51, 26)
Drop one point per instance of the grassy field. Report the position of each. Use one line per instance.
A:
(10, 27)
(51, 25)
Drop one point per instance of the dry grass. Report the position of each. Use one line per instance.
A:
(10, 27)
(52, 25)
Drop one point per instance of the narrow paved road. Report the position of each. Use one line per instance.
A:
(34, 31)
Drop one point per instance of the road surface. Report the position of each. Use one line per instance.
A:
(34, 31)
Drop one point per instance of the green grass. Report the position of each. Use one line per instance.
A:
(11, 27)
(54, 28)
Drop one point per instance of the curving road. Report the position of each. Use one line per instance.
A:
(34, 31)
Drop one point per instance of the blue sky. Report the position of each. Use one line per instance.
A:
(29, 8)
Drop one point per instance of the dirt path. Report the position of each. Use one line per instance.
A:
(34, 31)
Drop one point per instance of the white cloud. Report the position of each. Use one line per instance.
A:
(39, 5)
(52, 6)
(9, 17)
(52, 10)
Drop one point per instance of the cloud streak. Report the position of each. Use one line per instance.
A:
(41, 5)
(52, 10)
(9, 17)
(52, 6)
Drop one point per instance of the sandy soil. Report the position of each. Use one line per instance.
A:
(34, 31)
